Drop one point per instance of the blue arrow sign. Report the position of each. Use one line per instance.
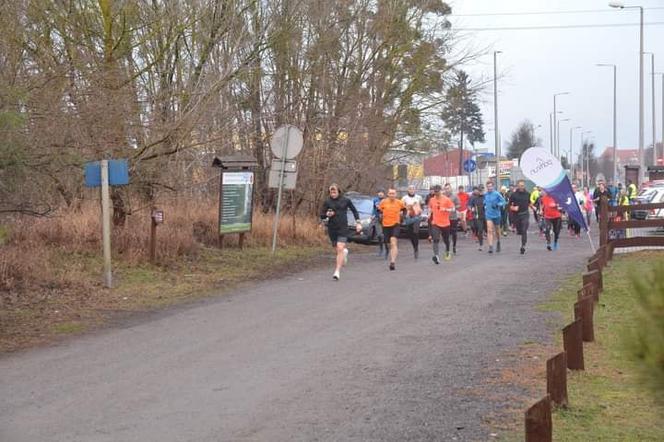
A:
(469, 165)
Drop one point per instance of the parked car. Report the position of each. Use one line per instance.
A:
(424, 217)
(650, 195)
(364, 206)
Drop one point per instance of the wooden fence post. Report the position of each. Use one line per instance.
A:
(584, 310)
(603, 222)
(593, 276)
(556, 379)
(539, 427)
(573, 345)
(588, 290)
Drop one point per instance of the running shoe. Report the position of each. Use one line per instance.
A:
(548, 247)
(416, 254)
(490, 249)
(436, 259)
(498, 247)
(479, 248)
(345, 256)
(555, 245)
(448, 256)
(454, 250)
(522, 250)
(336, 275)
(392, 266)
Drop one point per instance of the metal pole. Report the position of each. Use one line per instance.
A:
(495, 114)
(571, 153)
(281, 186)
(615, 122)
(662, 114)
(106, 224)
(551, 131)
(654, 124)
(641, 109)
(555, 154)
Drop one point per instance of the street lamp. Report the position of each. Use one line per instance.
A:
(495, 108)
(585, 162)
(551, 130)
(654, 127)
(558, 136)
(662, 74)
(615, 143)
(620, 5)
(557, 154)
(571, 150)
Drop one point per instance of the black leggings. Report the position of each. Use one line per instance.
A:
(479, 229)
(555, 224)
(413, 231)
(576, 227)
(521, 222)
(436, 233)
(454, 227)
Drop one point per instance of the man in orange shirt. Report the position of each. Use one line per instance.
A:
(392, 209)
(440, 208)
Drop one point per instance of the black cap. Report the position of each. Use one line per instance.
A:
(437, 188)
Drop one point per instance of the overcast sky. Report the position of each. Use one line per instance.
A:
(535, 64)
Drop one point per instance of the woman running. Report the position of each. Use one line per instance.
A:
(552, 218)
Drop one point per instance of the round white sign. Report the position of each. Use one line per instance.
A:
(287, 142)
(542, 168)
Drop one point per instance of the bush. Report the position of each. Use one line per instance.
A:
(646, 343)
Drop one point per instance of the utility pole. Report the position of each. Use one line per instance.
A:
(495, 115)
(555, 138)
(615, 142)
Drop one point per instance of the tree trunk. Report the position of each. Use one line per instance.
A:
(461, 155)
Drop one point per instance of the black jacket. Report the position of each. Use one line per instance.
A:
(522, 200)
(339, 221)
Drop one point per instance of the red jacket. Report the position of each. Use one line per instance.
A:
(550, 208)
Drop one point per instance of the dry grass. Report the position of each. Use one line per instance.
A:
(50, 267)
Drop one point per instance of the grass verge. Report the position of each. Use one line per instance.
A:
(608, 401)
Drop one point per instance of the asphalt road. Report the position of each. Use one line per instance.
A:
(379, 355)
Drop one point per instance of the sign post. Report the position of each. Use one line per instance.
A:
(286, 144)
(106, 224)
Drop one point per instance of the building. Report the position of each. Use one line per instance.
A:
(445, 164)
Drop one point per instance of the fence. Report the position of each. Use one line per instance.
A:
(616, 232)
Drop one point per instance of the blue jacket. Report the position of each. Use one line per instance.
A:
(493, 201)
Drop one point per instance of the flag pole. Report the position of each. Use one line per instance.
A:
(592, 246)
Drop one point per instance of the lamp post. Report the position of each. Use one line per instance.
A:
(585, 163)
(620, 5)
(662, 74)
(556, 153)
(571, 150)
(558, 135)
(551, 137)
(496, 133)
(654, 125)
(615, 146)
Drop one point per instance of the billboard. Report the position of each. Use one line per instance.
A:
(236, 202)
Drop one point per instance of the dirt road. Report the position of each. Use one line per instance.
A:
(378, 355)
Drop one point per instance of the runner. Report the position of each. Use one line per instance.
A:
(589, 205)
(512, 215)
(377, 218)
(535, 204)
(519, 205)
(476, 207)
(454, 219)
(463, 209)
(552, 218)
(580, 199)
(504, 223)
(440, 208)
(601, 191)
(493, 202)
(413, 203)
(335, 210)
(392, 209)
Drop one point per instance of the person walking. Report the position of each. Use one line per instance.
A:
(588, 201)
(600, 192)
(335, 212)
(493, 203)
(580, 199)
(377, 218)
(504, 213)
(413, 203)
(463, 209)
(632, 191)
(519, 207)
(440, 207)
(454, 218)
(476, 210)
(392, 209)
(552, 218)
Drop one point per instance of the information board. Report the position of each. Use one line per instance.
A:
(237, 189)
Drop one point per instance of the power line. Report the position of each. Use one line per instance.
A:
(537, 28)
(578, 11)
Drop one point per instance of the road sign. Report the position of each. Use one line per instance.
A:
(287, 142)
(118, 173)
(290, 179)
(290, 166)
(469, 165)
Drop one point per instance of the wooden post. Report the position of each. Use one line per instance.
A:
(539, 427)
(593, 277)
(241, 241)
(556, 379)
(595, 264)
(584, 310)
(153, 240)
(221, 241)
(588, 290)
(603, 222)
(573, 345)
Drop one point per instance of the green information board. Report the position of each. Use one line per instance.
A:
(235, 207)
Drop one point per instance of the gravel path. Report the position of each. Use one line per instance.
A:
(378, 355)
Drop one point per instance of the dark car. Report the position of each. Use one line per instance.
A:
(364, 206)
(424, 217)
(646, 196)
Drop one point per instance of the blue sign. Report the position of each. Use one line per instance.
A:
(469, 165)
(118, 173)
